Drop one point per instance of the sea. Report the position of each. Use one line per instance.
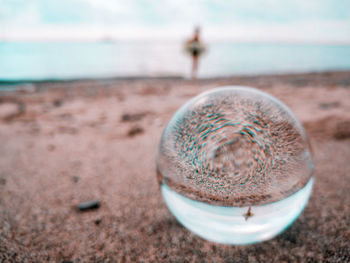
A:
(30, 61)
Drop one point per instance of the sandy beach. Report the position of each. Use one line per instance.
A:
(63, 143)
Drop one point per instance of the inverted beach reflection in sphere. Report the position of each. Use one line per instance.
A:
(234, 165)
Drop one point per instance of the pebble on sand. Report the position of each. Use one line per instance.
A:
(342, 130)
(132, 117)
(57, 103)
(135, 131)
(98, 221)
(2, 181)
(89, 205)
(75, 179)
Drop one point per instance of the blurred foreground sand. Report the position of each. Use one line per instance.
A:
(67, 142)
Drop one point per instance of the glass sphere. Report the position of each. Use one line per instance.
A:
(234, 165)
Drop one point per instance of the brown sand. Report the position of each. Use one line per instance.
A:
(70, 142)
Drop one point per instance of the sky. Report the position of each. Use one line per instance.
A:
(325, 21)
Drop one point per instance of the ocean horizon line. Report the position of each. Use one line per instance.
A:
(117, 40)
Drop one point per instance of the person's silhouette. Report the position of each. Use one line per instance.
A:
(195, 48)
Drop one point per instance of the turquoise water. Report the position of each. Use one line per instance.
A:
(228, 225)
(36, 61)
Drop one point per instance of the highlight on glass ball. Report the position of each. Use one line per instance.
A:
(234, 166)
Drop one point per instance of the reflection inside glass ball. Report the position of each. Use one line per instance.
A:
(232, 160)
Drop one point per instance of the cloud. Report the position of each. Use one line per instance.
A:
(313, 20)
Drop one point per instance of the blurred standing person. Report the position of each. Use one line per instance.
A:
(194, 47)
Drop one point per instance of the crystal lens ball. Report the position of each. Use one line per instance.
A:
(234, 165)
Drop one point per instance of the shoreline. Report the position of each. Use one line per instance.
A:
(4, 82)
